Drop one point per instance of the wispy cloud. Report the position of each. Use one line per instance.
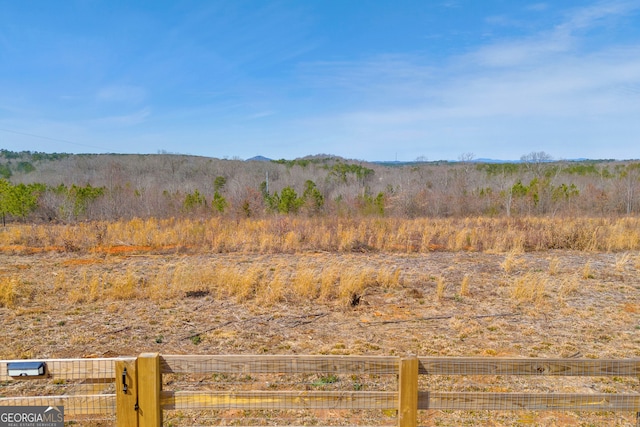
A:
(14, 109)
(387, 78)
(46, 135)
(121, 93)
(559, 40)
(503, 20)
(517, 53)
(271, 75)
(537, 74)
(547, 82)
(130, 119)
(597, 14)
(260, 115)
(452, 4)
(537, 7)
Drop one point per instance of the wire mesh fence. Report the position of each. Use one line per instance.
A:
(85, 388)
(304, 390)
(540, 392)
(333, 390)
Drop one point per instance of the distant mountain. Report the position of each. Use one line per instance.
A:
(482, 160)
(258, 159)
(494, 161)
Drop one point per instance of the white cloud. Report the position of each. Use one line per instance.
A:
(385, 77)
(122, 93)
(597, 14)
(559, 40)
(502, 20)
(537, 7)
(545, 89)
(131, 119)
(260, 115)
(518, 53)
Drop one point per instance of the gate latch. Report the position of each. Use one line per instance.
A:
(124, 380)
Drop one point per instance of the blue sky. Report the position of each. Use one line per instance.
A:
(365, 79)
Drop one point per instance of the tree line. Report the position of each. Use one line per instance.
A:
(68, 188)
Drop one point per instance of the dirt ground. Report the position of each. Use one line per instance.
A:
(589, 307)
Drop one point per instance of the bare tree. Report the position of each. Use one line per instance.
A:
(535, 161)
(466, 157)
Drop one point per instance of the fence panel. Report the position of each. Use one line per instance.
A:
(84, 387)
(532, 366)
(285, 390)
(320, 390)
(443, 389)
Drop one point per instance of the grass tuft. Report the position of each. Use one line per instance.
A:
(389, 278)
(441, 286)
(569, 285)
(554, 266)
(8, 291)
(622, 261)
(305, 283)
(529, 287)
(464, 286)
(512, 262)
(353, 282)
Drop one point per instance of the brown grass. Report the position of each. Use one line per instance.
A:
(306, 283)
(529, 287)
(512, 262)
(554, 266)
(290, 286)
(464, 286)
(621, 261)
(441, 287)
(8, 290)
(298, 234)
(569, 285)
(587, 271)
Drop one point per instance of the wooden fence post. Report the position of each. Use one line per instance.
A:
(408, 393)
(149, 387)
(126, 393)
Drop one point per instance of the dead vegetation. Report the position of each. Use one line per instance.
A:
(294, 234)
(216, 287)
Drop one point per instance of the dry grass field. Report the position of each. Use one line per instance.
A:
(474, 287)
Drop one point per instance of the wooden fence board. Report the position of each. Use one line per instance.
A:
(70, 369)
(96, 372)
(149, 389)
(551, 367)
(273, 400)
(127, 393)
(279, 364)
(73, 405)
(408, 392)
(478, 401)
